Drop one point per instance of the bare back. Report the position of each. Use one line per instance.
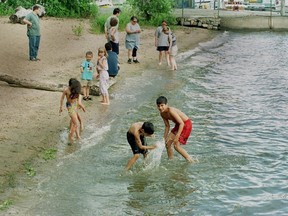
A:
(175, 115)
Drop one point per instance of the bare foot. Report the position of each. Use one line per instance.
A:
(160, 63)
(190, 160)
(105, 103)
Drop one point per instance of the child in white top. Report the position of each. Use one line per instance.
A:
(102, 67)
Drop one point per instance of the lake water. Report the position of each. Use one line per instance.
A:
(235, 90)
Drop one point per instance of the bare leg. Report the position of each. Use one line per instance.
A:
(167, 58)
(173, 63)
(169, 146)
(87, 91)
(160, 57)
(74, 128)
(182, 151)
(81, 122)
(106, 100)
(132, 161)
(84, 91)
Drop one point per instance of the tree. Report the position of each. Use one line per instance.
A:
(153, 10)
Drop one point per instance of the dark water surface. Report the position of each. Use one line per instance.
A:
(235, 90)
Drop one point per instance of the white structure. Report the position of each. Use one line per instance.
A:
(104, 3)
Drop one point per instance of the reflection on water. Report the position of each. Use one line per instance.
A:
(235, 90)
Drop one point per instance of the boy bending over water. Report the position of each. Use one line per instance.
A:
(181, 131)
(136, 138)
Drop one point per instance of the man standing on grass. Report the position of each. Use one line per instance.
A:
(107, 26)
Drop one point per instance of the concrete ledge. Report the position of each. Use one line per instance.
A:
(254, 22)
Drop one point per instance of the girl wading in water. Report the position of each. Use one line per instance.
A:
(73, 103)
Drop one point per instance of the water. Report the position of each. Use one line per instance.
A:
(235, 90)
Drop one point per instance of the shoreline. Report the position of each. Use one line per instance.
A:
(33, 124)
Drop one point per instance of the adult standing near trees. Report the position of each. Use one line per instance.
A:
(33, 32)
(162, 42)
(107, 26)
(132, 40)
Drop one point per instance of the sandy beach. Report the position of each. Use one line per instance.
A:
(30, 122)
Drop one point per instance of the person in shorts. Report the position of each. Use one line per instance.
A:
(181, 131)
(162, 43)
(136, 138)
(87, 70)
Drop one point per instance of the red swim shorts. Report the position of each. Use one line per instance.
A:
(185, 132)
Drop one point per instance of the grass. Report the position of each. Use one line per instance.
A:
(78, 29)
(6, 204)
(49, 154)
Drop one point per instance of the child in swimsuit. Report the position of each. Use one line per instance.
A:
(73, 97)
(180, 133)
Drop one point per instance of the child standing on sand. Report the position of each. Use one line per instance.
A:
(173, 49)
(87, 69)
(73, 101)
(181, 131)
(136, 138)
(102, 67)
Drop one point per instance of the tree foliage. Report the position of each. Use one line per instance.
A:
(57, 8)
(154, 10)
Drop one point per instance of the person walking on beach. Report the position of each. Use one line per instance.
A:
(173, 49)
(116, 14)
(136, 138)
(112, 59)
(87, 69)
(73, 102)
(132, 40)
(102, 67)
(162, 43)
(113, 35)
(33, 32)
(181, 131)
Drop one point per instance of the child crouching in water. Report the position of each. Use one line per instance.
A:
(73, 102)
(136, 138)
(102, 69)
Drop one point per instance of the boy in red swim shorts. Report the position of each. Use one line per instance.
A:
(181, 131)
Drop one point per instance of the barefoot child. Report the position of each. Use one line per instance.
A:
(181, 131)
(87, 69)
(73, 101)
(136, 138)
(102, 67)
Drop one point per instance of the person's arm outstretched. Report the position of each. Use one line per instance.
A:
(139, 143)
(80, 103)
(62, 99)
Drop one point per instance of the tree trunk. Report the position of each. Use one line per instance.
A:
(32, 84)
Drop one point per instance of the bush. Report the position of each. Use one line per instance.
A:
(154, 11)
(5, 9)
(55, 8)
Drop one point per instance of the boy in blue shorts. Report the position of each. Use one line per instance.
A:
(136, 138)
(87, 69)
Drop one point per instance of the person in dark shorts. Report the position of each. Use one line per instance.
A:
(162, 42)
(136, 138)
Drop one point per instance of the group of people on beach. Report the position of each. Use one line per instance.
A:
(108, 66)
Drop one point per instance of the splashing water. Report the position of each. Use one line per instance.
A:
(154, 157)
